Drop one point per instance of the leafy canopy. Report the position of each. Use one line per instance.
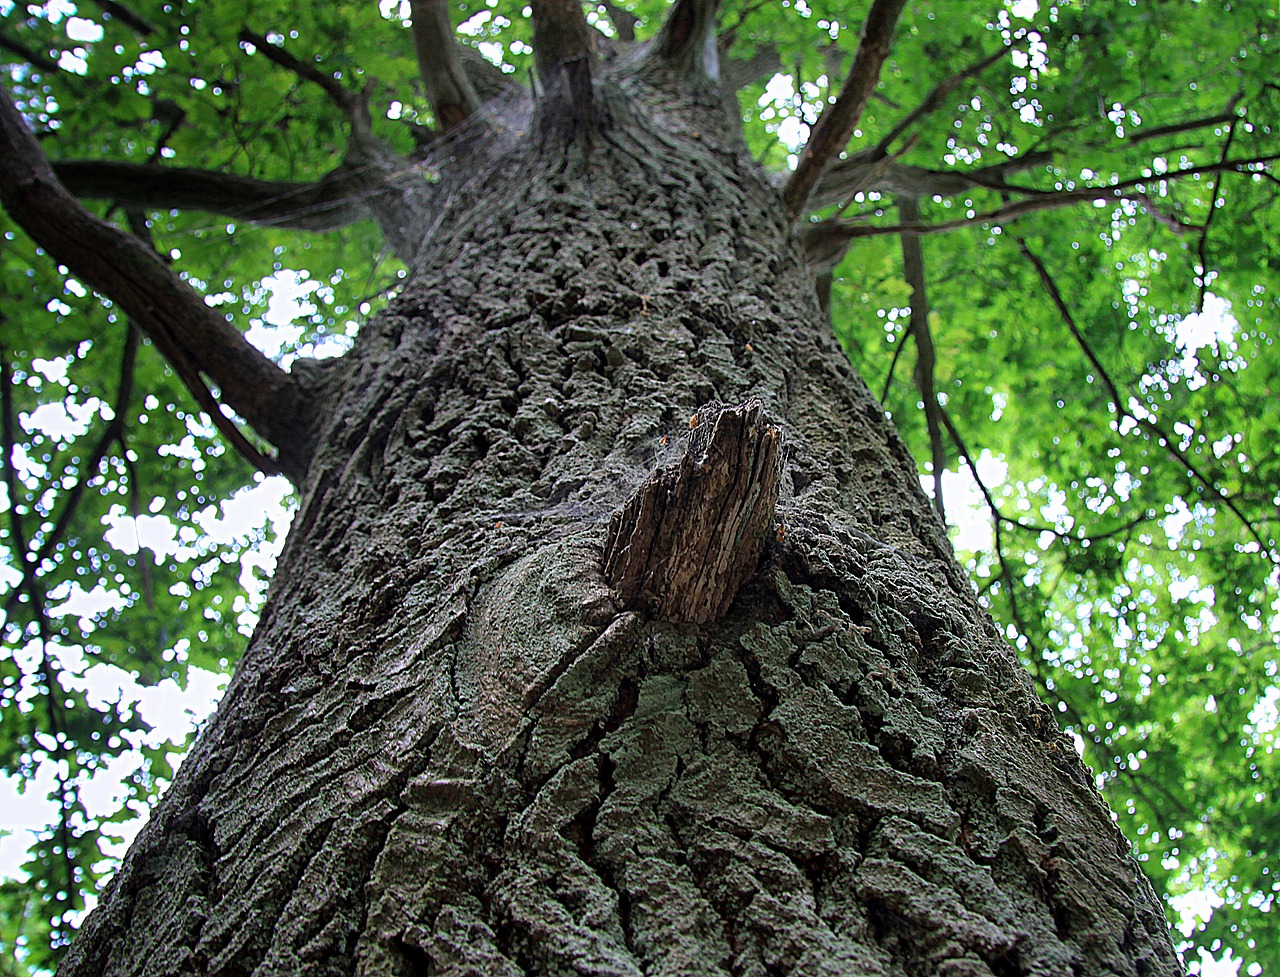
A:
(1053, 250)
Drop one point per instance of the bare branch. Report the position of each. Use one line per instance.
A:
(453, 98)
(339, 95)
(686, 43)
(836, 124)
(737, 73)
(871, 170)
(1131, 189)
(322, 206)
(165, 307)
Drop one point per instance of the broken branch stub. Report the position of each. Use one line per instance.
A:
(691, 536)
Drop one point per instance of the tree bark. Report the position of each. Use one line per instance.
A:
(450, 749)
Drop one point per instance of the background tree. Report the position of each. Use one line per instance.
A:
(1045, 212)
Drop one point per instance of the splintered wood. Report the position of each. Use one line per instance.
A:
(691, 536)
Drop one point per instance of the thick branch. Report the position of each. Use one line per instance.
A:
(686, 44)
(623, 20)
(332, 202)
(562, 41)
(682, 547)
(449, 89)
(836, 124)
(165, 307)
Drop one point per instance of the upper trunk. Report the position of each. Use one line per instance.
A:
(450, 750)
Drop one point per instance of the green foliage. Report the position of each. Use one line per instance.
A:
(1132, 559)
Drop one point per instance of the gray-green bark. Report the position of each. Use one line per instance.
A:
(448, 750)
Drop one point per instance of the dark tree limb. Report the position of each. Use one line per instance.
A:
(871, 170)
(188, 371)
(836, 124)
(926, 359)
(691, 536)
(686, 43)
(737, 73)
(449, 89)
(1131, 189)
(340, 96)
(328, 204)
(563, 43)
(164, 307)
(623, 20)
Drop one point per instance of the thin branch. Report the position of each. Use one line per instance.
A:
(836, 124)
(453, 98)
(339, 95)
(899, 346)
(1050, 200)
(1122, 412)
(31, 584)
(935, 97)
(686, 42)
(29, 55)
(188, 372)
(1202, 252)
(926, 359)
(126, 16)
(871, 170)
(165, 307)
(1144, 135)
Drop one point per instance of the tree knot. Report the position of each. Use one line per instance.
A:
(691, 536)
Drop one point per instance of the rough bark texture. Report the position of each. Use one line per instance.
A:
(449, 750)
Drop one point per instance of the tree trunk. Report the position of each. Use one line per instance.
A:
(450, 747)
